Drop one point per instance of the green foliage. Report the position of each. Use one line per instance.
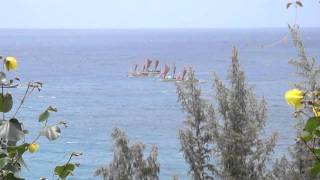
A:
(305, 153)
(4, 160)
(12, 132)
(11, 161)
(306, 136)
(67, 169)
(17, 150)
(315, 170)
(45, 115)
(195, 138)
(10, 176)
(244, 154)
(128, 162)
(6, 102)
(224, 143)
(312, 125)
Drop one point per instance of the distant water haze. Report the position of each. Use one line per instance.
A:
(84, 72)
(139, 14)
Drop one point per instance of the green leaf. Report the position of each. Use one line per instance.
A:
(3, 153)
(312, 125)
(306, 136)
(6, 102)
(315, 169)
(316, 151)
(11, 176)
(65, 170)
(51, 132)
(14, 150)
(4, 161)
(12, 131)
(44, 116)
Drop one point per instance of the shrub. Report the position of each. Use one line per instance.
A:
(128, 162)
(224, 142)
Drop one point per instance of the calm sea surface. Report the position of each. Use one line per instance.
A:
(84, 72)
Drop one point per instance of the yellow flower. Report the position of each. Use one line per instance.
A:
(294, 97)
(33, 147)
(11, 63)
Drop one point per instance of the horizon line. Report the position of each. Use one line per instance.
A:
(153, 28)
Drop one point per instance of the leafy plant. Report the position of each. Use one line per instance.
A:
(12, 131)
(306, 101)
(67, 169)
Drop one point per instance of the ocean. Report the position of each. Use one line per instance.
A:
(85, 76)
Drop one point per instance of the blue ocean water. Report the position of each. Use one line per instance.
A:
(84, 72)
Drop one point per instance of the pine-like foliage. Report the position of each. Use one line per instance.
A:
(196, 138)
(301, 157)
(306, 66)
(128, 162)
(225, 144)
(243, 154)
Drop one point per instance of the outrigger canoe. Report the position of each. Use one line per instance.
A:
(153, 73)
(137, 74)
(182, 81)
(144, 74)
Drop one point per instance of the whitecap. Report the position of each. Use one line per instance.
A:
(72, 142)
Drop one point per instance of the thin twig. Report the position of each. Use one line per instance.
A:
(64, 167)
(22, 100)
(2, 100)
(312, 151)
(2, 91)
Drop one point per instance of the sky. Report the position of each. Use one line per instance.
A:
(122, 14)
